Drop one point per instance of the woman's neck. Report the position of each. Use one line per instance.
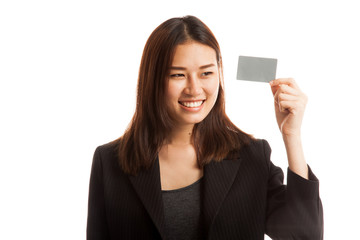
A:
(181, 135)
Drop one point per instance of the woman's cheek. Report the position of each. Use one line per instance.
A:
(214, 91)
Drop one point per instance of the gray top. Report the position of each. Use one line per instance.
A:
(182, 209)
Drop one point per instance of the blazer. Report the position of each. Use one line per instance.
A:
(242, 198)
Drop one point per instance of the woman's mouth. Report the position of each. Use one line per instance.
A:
(192, 104)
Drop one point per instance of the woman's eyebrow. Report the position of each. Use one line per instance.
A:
(183, 68)
(207, 66)
(177, 68)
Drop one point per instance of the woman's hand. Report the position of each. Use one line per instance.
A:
(290, 103)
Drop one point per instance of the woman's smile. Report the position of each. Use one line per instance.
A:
(192, 106)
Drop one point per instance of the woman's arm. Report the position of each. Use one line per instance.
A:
(294, 210)
(290, 103)
(96, 222)
(295, 155)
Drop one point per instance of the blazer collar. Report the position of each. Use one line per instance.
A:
(148, 187)
(218, 178)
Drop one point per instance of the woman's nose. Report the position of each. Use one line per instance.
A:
(193, 86)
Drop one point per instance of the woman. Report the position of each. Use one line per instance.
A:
(183, 170)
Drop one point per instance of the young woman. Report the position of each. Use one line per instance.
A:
(183, 170)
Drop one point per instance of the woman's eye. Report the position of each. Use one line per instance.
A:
(206, 73)
(177, 75)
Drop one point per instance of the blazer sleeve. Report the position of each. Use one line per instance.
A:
(294, 211)
(96, 221)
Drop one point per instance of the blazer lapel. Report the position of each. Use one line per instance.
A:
(218, 178)
(148, 186)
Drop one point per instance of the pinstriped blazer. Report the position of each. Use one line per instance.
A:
(242, 198)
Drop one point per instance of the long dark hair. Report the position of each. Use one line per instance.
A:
(215, 138)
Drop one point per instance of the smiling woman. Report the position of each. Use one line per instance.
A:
(193, 85)
(183, 170)
(181, 66)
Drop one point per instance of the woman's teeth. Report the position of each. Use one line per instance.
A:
(192, 104)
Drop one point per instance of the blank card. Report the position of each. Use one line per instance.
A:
(256, 69)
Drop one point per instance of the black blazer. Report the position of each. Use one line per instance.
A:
(241, 199)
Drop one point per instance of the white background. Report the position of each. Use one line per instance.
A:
(68, 72)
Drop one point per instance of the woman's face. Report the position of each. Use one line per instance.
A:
(193, 83)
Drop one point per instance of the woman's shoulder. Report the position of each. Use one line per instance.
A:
(255, 153)
(260, 145)
(255, 147)
(107, 152)
(108, 147)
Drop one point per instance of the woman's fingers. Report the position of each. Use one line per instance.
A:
(287, 95)
(285, 89)
(280, 96)
(290, 106)
(291, 103)
(288, 81)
